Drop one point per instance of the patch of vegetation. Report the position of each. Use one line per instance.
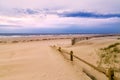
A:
(14, 41)
(3, 41)
(118, 38)
(109, 56)
(109, 60)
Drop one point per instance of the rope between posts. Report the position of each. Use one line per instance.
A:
(63, 51)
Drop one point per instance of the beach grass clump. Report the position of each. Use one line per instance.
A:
(118, 38)
(14, 41)
(37, 40)
(110, 46)
(3, 41)
(109, 56)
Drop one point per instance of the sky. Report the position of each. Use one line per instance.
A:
(59, 16)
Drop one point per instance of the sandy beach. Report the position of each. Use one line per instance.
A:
(36, 60)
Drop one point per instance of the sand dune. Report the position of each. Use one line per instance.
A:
(36, 60)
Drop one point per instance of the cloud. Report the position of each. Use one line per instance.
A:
(58, 14)
(55, 20)
(101, 6)
(89, 15)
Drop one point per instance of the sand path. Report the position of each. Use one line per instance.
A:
(35, 61)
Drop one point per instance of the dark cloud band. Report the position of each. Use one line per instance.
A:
(89, 15)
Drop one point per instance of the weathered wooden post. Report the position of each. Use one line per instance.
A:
(71, 55)
(73, 41)
(59, 49)
(53, 45)
(87, 38)
(111, 74)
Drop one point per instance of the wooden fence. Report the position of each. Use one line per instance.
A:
(110, 73)
(77, 39)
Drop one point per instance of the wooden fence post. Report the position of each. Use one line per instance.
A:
(53, 45)
(73, 41)
(59, 49)
(71, 55)
(111, 74)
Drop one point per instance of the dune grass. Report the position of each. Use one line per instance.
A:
(110, 57)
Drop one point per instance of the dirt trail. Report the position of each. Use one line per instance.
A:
(35, 61)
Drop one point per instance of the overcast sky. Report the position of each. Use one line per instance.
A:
(63, 16)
